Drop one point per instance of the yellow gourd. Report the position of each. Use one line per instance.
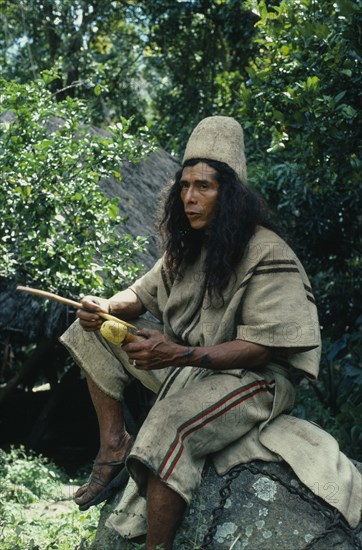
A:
(114, 332)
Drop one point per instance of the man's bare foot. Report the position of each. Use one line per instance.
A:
(103, 479)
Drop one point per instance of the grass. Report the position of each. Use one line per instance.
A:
(36, 506)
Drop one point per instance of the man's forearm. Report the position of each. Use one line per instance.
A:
(229, 355)
(126, 305)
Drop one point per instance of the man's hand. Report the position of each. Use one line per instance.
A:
(154, 351)
(88, 317)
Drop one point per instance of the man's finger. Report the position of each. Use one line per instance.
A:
(87, 315)
(148, 332)
(134, 347)
(91, 305)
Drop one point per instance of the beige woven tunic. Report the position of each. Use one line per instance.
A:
(268, 302)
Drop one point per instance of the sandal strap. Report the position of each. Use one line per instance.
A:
(110, 463)
(96, 480)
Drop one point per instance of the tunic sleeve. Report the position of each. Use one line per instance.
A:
(149, 290)
(278, 308)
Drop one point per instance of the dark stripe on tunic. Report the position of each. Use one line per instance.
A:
(278, 262)
(276, 270)
(168, 383)
(165, 281)
(255, 269)
(310, 295)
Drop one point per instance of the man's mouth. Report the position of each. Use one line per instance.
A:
(192, 213)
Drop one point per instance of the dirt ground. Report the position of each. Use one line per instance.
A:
(53, 508)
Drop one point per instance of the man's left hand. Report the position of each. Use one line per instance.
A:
(154, 351)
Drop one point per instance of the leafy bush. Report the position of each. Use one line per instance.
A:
(338, 408)
(26, 478)
(33, 509)
(57, 228)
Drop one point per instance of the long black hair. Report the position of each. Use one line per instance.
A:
(239, 210)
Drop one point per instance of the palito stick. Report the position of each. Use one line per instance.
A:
(68, 302)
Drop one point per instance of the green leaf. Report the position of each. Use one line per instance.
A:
(347, 7)
(339, 96)
(113, 211)
(312, 83)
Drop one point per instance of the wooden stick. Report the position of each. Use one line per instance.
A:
(68, 302)
(44, 294)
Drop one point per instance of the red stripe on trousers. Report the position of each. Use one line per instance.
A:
(262, 388)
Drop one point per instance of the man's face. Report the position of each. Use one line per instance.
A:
(199, 191)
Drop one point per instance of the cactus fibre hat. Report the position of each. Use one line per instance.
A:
(218, 138)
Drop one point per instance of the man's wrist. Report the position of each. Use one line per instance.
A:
(115, 309)
(187, 354)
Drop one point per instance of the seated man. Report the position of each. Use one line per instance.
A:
(237, 314)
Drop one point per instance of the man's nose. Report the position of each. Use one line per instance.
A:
(190, 195)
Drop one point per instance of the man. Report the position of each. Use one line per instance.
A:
(237, 314)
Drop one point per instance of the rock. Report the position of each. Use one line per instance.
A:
(258, 506)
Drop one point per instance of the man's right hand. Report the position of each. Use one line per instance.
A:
(88, 318)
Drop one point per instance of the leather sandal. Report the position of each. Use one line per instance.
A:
(118, 481)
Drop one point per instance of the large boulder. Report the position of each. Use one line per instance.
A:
(258, 506)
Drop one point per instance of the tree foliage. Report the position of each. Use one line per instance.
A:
(57, 229)
(93, 44)
(300, 108)
(290, 71)
(196, 53)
